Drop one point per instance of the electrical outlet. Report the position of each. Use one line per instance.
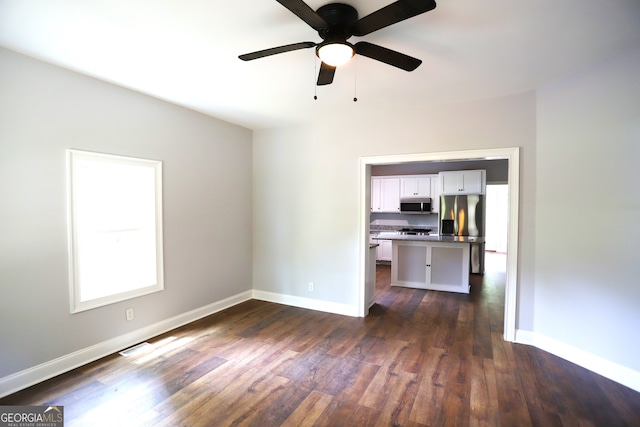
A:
(129, 314)
(310, 286)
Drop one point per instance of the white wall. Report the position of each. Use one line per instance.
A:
(306, 189)
(207, 206)
(579, 150)
(578, 294)
(587, 293)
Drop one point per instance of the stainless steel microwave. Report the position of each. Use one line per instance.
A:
(415, 206)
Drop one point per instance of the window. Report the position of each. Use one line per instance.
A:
(115, 228)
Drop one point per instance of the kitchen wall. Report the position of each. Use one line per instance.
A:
(496, 170)
(207, 206)
(430, 220)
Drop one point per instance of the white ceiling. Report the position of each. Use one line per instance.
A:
(186, 51)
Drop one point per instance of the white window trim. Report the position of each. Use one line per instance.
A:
(75, 157)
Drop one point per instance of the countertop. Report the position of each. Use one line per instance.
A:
(388, 228)
(381, 225)
(423, 238)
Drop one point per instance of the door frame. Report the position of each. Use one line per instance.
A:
(512, 155)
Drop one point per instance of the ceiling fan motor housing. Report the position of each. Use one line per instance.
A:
(339, 16)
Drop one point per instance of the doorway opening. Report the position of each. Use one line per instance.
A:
(497, 213)
(497, 204)
(512, 155)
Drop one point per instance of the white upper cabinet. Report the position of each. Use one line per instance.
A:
(415, 186)
(386, 191)
(376, 185)
(463, 182)
(385, 194)
(435, 194)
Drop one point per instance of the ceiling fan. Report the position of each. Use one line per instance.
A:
(337, 22)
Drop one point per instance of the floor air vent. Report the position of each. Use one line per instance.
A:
(131, 351)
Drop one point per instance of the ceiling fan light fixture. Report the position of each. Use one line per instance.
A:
(335, 53)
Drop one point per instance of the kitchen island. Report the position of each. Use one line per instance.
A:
(438, 263)
(370, 285)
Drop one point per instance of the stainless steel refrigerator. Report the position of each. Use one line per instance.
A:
(464, 216)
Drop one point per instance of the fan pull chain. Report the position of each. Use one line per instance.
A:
(355, 87)
(315, 73)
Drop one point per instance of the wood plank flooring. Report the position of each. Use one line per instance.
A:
(422, 358)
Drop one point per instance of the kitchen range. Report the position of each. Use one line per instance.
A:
(410, 231)
(442, 257)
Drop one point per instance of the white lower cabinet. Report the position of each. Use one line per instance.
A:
(431, 265)
(370, 280)
(385, 250)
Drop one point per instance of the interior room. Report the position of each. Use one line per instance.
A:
(266, 190)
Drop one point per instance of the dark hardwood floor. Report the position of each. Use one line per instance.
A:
(422, 358)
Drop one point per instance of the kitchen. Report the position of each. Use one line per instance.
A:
(427, 221)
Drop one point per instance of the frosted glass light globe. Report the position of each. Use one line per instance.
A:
(335, 54)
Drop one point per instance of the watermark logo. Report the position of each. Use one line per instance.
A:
(31, 416)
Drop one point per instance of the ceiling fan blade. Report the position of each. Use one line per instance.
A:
(388, 56)
(325, 76)
(276, 50)
(391, 14)
(304, 12)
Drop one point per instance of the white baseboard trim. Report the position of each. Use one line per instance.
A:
(23, 379)
(308, 303)
(611, 370)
